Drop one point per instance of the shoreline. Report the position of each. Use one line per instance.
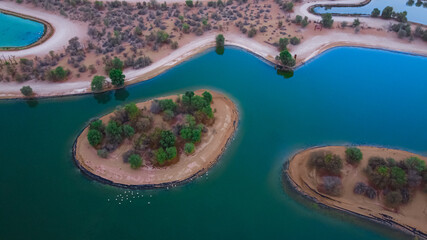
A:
(48, 31)
(223, 145)
(304, 189)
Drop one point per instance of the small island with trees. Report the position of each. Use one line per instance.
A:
(384, 185)
(157, 143)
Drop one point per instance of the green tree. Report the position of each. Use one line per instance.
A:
(113, 63)
(189, 3)
(161, 156)
(171, 152)
(398, 177)
(356, 22)
(333, 163)
(375, 13)
(286, 58)
(58, 74)
(298, 19)
(97, 83)
(283, 43)
(167, 104)
(27, 91)
(416, 164)
(135, 161)
(132, 111)
(167, 139)
(207, 96)
(114, 132)
(327, 20)
(117, 77)
(387, 12)
(295, 41)
(304, 22)
(220, 41)
(353, 155)
(162, 37)
(97, 125)
(94, 137)
(128, 131)
(189, 148)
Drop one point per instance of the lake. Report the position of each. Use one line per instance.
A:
(19, 32)
(345, 96)
(415, 13)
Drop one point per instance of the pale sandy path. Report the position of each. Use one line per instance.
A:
(65, 29)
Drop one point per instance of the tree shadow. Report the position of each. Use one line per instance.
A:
(32, 102)
(285, 73)
(220, 50)
(121, 94)
(102, 98)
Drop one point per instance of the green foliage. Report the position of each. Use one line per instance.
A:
(114, 63)
(387, 12)
(128, 131)
(133, 111)
(327, 161)
(327, 20)
(252, 32)
(167, 104)
(353, 155)
(97, 83)
(286, 58)
(185, 28)
(117, 77)
(415, 163)
(401, 16)
(102, 153)
(189, 148)
(167, 139)
(398, 177)
(135, 161)
(288, 6)
(191, 134)
(220, 41)
(97, 125)
(171, 153)
(161, 156)
(168, 115)
(304, 22)
(26, 91)
(356, 22)
(298, 19)
(375, 13)
(207, 96)
(162, 37)
(114, 132)
(189, 3)
(58, 74)
(94, 137)
(99, 5)
(393, 198)
(295, 41)
(283, 43)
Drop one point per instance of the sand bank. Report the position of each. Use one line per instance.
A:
(114, 172)
(411, 218)
(63, 28)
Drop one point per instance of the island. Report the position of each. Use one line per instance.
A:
(157, 143)
(384, 185)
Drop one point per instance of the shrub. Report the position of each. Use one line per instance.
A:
(132, 111)
(97, 83)
(356, 22)
(117, 77)
(189, 148)
(207, 96)
(332, 185)
(167, 139)
(397, 177)
(353, 155)
(128, 131)
(220, 41)
(135, 161)
(171, 152)
(97, 125)
(58, 74)
(168, 115)
(370, 193)
(283, 43)
(295, 41)
(114, 63)
(298, 19)
(304, 22)
(185, 28)
(167, 104)
(103, 153)
(387, 12)
(327, 20)
(143, 124)
(114, 132)
(360, 188)
(26, 91)
(415, 163)
(189, 3)
(252, 32)
(327, 161)
(160, 156)
(94, 137)
(393, 198)
(375, 13)
(288, 6)
(192, 135)
(374, 162)
(286, 58)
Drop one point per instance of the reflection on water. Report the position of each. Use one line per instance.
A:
(121, 94)
(32, 102)
(102, 98)
(286, 74)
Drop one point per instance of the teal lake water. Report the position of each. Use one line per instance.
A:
(415, 13)
(19, 32)
(377, 98)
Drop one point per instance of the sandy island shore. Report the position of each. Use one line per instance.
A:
(411, 218)
(114, 172)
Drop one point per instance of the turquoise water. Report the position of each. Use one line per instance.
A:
(19, 32)
(377, 98)
(415, 13)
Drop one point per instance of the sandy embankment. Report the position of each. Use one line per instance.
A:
(408, 217)
(114, 172)
(64, 30)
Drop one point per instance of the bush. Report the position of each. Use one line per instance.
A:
(397, 177)
(143, 124)
(97, 125)
(298, 19)
(283, 43)
(135, 161)
(353, 155)
(114, 63)
(207, 96)
(27, 91)
(360, 188)
(387, 12)
(327, 161)
(332, 185)
(327, 20)
(304, 22)
(160, 156)
(189, 148)
(295, 41)
(375, 13)
(167, 139)
(128, 131)
(189, 3)
(103, 153)
(416, 164)
(171, 153)
(94, 137)
(114, 132)
(252, 32)
(167, 104)
(168, 115)
(117, 77)
(190, 134)
(58, 74)
(97, 83)
(393, 198)
(132, 111)
(356, 22)
(286, 58)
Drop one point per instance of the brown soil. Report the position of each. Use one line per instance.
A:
(206, 154)
(306, 181)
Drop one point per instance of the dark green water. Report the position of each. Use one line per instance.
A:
(376, 98)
